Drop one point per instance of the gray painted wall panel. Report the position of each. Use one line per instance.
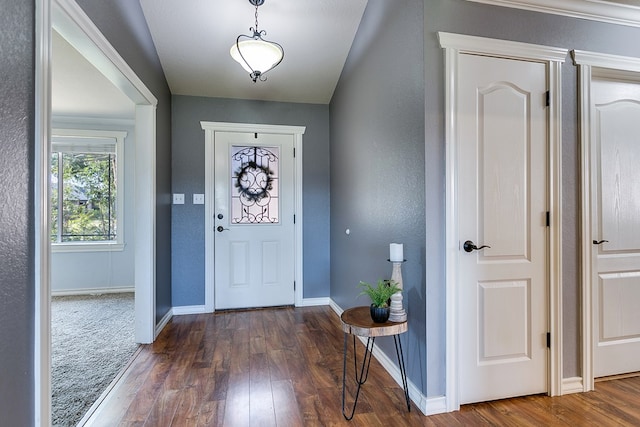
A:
(17, 117)
(188, 178)
(377, 167)
(122, 23)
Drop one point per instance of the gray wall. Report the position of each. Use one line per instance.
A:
(122, 23)
(17, 116)
(377, 167)
(188, 177)
(376, 145)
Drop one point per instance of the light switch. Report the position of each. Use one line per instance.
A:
(178, 199)
(198, 199)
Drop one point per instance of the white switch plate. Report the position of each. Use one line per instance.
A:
(178, 199)
(198, 199)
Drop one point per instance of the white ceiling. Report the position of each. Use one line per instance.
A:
(193, 39)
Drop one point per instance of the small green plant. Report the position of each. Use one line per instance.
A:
(381, 293)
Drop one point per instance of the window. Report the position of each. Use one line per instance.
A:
(86, 189)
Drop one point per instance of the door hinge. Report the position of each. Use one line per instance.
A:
(294, 218)
(548, 339)
(548, 98)
(255, 135)
(294, 285)
(294, 152)
(548, 219)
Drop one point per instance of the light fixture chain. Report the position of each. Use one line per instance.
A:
(257, 18)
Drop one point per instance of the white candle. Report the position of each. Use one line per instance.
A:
(395, 252)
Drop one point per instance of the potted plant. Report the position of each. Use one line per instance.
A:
(380, 296)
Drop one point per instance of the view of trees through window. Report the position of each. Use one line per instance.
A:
(83, 197)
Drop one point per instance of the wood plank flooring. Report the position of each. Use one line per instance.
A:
(283, 367)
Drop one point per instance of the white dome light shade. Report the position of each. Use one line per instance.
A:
(259, 55)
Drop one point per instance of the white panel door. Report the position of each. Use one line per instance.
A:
(254, 220)
(615, 189)
(502, 203)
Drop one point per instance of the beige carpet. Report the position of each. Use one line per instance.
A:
(92, 338)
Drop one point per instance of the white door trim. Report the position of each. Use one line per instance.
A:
(71, 21)
(586, 62)
(454, 45)
(209, 270)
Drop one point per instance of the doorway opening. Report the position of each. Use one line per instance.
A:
(70, 21)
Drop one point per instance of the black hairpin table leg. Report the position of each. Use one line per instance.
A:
(364, 371)
(403, 371)
(357, 321)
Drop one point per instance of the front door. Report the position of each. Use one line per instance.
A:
(502, 203)
(615, 189)
(254, 220)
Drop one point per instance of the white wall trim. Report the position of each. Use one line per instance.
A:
(189, 309)
(572, 385)
(145, 223)
(42, 261)
(162, 323)
(598, 10)
(64, 121)
(502, 48)
(93, 291)
(210, 128)
(455, 45)
(313, 302)
(589, 63)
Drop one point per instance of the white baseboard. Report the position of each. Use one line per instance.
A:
(434, 405)
(163, 322)
(199, 309)
(92, 291)
(572, 385)
(338, 310)
(189, 309)
(312, 302)
(428, 406)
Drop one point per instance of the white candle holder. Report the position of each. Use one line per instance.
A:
(397, 313)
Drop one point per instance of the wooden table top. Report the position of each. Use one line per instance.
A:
(357, 321)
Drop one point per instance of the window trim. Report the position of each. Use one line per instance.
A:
(85, 137)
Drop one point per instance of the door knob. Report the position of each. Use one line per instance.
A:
(221, 228)
(599, 242)
(469, 246)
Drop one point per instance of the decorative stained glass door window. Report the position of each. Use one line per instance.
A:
(254, 185)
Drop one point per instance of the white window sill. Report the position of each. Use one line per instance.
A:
(87, 247)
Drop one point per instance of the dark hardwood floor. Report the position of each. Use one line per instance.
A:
(283, 367)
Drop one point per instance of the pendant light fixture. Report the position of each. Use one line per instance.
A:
(255, 54)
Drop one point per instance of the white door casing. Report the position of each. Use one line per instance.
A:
(456, 46)
(254, 209)
(610, 122)
(211, 220)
